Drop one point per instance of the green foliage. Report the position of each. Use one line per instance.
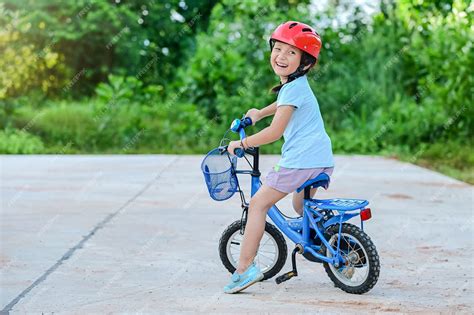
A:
(66, 124)
(121, 89)
(232, 56)
(169, 76)
(452, 158)
(24, 66)
(440, 59)
(14, 141)
(145, 38)
(118, 88)
(412, 85)
(116, 121)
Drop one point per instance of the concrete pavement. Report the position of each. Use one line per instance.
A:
(139, 234)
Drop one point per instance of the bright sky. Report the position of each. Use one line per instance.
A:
(343, 11)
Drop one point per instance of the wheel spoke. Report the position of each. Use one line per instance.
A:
(360, 256)
(260, 254)
(265, 251)
(348, 243)
(267, 254)
(265, 242)
(355, 273)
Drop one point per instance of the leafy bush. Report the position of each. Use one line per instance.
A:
(115, 121)
(19, 142)
(24, 65)
(439, 62)
(66, 124)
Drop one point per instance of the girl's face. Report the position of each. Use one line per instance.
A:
(285, 59)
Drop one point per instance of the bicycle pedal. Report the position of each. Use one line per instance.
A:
(286, 276)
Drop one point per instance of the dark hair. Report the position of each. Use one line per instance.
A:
(306, 59)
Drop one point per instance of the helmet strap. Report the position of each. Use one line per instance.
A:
(298, 73)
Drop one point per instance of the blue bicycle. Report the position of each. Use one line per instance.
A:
(321, 234)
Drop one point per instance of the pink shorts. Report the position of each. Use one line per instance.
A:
(288, 180)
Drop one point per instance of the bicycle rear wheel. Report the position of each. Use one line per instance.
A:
(361, 271)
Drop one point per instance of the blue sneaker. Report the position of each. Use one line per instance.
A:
(242, 281)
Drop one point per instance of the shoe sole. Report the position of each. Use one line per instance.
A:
(235, 290)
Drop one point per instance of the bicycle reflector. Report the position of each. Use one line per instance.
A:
(365, 214)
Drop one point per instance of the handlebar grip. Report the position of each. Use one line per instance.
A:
(239, 152)
(247, 121)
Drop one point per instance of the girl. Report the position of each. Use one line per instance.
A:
(307, 149)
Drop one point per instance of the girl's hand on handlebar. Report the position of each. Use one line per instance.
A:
(253, 114)
(232, 146)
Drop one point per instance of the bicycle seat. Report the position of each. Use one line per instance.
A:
(320, 180)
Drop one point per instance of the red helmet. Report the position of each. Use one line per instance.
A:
(299, 35)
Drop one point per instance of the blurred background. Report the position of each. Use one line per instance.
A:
(394, 78)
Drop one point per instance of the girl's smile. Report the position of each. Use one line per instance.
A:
(285, 59)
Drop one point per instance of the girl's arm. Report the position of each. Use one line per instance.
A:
(269, 110)
(268, 135)
(258, 114)
(273, 132)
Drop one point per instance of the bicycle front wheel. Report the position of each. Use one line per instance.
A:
(271, 254)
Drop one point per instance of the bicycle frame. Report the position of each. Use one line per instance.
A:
(309, 220)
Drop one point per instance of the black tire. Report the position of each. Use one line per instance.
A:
(371, 258)
(272, 231)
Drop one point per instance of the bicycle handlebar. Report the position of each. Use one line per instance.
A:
(238, 125)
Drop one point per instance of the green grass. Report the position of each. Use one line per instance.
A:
(86, 128)
(453, 159)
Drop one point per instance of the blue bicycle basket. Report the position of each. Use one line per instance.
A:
(218, 170)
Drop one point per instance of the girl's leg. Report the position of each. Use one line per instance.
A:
(258, 207)
(298, 200)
